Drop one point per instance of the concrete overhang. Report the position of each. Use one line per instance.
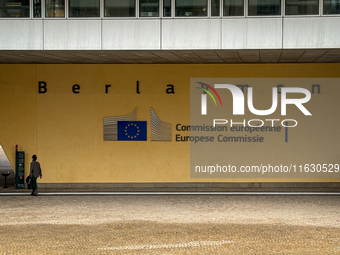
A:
(169, 56)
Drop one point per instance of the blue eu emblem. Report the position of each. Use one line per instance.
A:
(131, 131)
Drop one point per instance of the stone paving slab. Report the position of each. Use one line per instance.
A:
(170, 225)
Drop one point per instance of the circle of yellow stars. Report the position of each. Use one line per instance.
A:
(132, 126)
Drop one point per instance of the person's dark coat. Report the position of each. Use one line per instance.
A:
(35, 169)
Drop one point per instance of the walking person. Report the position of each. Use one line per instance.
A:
(35, 171)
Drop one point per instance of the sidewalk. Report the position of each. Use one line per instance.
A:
(170, 225)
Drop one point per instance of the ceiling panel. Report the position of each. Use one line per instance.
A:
(309, 56)
(170, 57)
(249, 56)
(329, 56)
(209, 56)
(290, 56)
(229, 56)
(147, 56)
(189, 56)
(270, 56)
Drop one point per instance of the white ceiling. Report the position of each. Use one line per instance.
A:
(169, 57)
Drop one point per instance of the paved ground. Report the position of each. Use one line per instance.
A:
(170, 225)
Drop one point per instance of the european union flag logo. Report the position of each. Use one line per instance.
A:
(131, 131)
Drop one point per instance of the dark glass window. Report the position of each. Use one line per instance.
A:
(84, 8)
(149, 8)
(233, 7)
(331, 7)
(36, 8)
(215, 8)
(302, 7)
(55, 8)
(120, 8)
(167, 8)
(186, 8)
(14, 9)
(264, 7)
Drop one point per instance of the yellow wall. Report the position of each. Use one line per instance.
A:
(65, 130)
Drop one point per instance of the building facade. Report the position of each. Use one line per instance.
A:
(73, 73)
